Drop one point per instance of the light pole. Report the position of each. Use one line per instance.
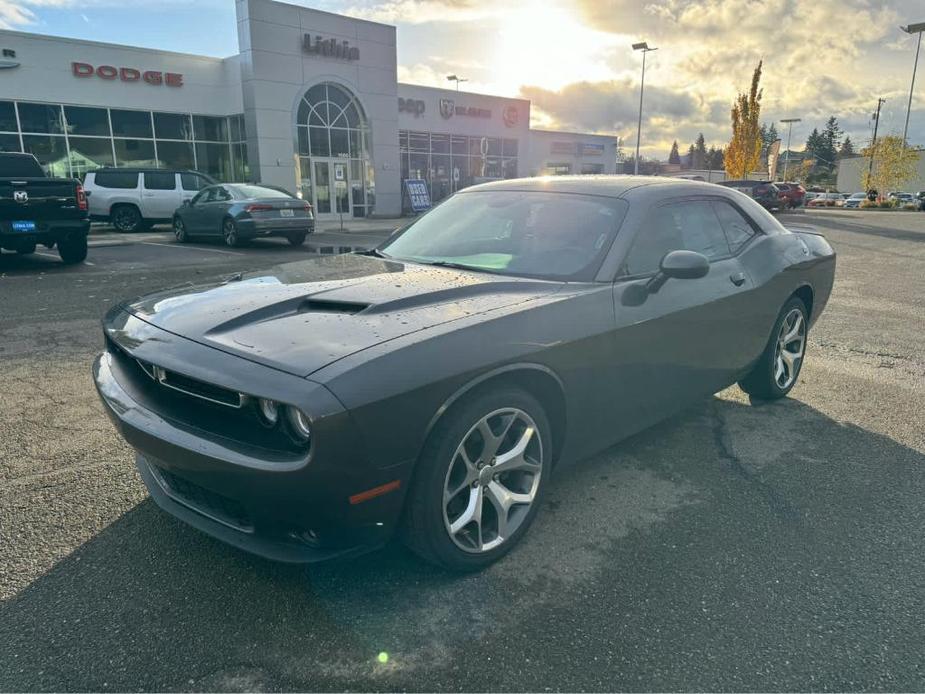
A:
(644, 47)
(454, 78)
(789, 122)
(912, 29)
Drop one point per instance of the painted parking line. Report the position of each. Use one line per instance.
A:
(189, 248)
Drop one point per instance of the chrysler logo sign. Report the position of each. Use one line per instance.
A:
(329, 48)
(8, 59)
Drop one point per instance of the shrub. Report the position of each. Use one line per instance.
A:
(910, 206)
(868, 203)
(885, 204)
(830, 203)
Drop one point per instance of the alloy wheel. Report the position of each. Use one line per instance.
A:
(492, 480)
(124, 219)
(179, 229)
(791, 346)
(230, 232)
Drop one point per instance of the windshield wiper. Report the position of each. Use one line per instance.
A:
(455, 266)
(375, 252)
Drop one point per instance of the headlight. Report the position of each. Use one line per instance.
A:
(269, 411)
(300, 424)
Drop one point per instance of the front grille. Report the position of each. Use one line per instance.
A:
(205, 501)
(203, 409)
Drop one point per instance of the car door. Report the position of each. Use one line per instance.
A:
(686, 335)
(160, 194)
(193, 214)
(214, 210)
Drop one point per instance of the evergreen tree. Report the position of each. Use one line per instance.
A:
(700, 153)
(674, 157)
(829, 140)
(813, 143)
(846, 149)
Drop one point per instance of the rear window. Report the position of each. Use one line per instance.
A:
(18, 166)
(116, 179)
(248, 192)
(160, 180)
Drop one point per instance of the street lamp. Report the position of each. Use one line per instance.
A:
(644, 47)
(912, 29)
(789, 122)
(454, 78)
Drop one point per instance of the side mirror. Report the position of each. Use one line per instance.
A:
(679, 265)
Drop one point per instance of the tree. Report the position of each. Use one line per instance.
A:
(846, 149)
(813, 144)
(715, 159)
(743, 154)
(674, 157)
(768, 136)
(829, 139)
(700, 153)
(894, 164)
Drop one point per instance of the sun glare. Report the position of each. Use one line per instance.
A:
(543, 44)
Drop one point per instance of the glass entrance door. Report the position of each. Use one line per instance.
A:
(331, 188)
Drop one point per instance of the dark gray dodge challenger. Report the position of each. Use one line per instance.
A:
(432, 385)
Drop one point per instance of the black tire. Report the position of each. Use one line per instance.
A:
(425, 528)
(126, 218)
(73, 251)
(764, 381)
(297, 239)
(230, 233)
(179, 230)
(25, 249)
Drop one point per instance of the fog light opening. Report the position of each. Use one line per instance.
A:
(300, 424)
(269, 411)
(309, 537)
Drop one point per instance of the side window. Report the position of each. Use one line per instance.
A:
(200, 198)
(160, 180)
(123, 180)
(738, 229)
(222, 194)
(687, 226)
(191, 181)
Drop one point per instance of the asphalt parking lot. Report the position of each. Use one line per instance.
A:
(737, 546)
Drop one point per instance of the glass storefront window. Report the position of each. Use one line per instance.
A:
(494, 146)
(318, 138)
(340, 143)
(213, 159)
(9, 143)
(510, 168)
(131, 123)
(236, 125)
(210, 128)
(40, 118)
(89, 154)
(172, 126)
(138, 153)
(8, 117)
(419, 142)
(304, 147)
(460, 144)
(509, 148)
(439, 144)
(86, 121)
(50, 151)
(175, 155)
(242, 170)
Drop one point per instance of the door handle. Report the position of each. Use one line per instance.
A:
(738, 278)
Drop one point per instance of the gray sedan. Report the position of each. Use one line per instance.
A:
(237, 212)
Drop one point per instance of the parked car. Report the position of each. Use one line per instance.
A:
(430, 386)
(36, 209)
(794, 192)
(238, 212)
(920, 199)
(134, 199)
(825, 200)
(903, 198)
(765, 194)
(855, 199)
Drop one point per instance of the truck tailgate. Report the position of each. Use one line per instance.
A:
(47, 199)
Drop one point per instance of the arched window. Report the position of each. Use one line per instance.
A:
(335, 172)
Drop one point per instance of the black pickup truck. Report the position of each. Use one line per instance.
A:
(36, 209)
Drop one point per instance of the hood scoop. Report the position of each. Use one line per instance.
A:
(328, 306)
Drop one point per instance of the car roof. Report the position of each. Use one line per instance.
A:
(614, 186)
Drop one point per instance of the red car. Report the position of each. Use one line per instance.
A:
(794, 192)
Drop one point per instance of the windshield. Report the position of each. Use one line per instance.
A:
(559, 236)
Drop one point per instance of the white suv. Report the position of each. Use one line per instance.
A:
(134, 199)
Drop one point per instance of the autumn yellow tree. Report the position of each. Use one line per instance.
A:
(743, 153)
(894, 164)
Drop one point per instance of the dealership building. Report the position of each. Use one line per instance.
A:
(311, 103)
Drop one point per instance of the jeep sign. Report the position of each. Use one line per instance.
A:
(415, 106)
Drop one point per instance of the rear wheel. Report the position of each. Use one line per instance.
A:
(230, 233)
(73, 250)
(779, 366)
(126, 218)
(179, 230)
(480, 480)
(297, 239)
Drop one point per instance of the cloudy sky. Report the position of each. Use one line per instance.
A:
(573, 58)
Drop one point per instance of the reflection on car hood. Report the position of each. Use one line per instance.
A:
(302, 316)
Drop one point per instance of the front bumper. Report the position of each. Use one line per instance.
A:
(286, 508)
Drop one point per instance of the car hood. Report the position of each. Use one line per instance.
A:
(302, 316)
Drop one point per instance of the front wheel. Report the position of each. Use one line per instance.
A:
(778, 368)
(73, 250)
(480, 480)
(179, 230)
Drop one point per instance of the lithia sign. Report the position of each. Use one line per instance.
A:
(330, 48)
